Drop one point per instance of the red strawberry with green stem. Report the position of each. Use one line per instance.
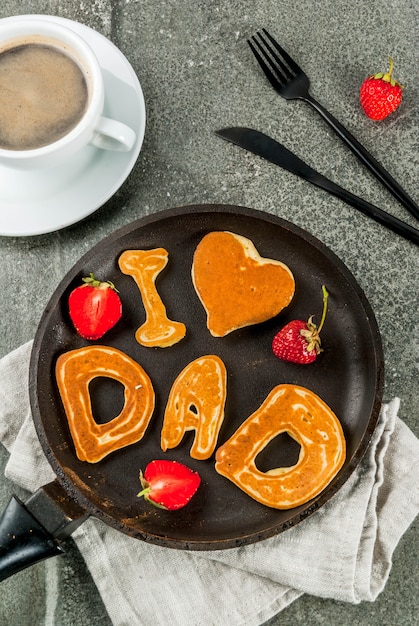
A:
(168, 484)
(380, 94)
(299, 341)
(94, 307)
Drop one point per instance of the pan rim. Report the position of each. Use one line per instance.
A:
(302, 512)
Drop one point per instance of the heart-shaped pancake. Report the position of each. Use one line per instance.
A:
(238, 287)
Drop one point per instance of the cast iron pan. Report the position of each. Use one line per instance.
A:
(348, 376)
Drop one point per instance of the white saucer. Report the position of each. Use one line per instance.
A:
(43, 201)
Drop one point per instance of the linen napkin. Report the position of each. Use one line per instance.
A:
(342, 552)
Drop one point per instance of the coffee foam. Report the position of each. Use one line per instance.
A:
(44, 92)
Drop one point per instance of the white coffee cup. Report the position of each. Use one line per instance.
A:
(17, 34)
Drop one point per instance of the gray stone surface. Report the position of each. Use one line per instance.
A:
(198, 75)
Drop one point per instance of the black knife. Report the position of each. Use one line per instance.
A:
(271, 150)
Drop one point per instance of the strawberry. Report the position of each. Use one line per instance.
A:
(380, 94)
(299, 341)
(168, 484)
(94, 307)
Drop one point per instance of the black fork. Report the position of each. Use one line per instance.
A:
(289, 80)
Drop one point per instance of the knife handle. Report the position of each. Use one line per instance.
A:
(366, 158)
(380, 216)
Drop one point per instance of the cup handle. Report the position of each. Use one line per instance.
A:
(112, 135)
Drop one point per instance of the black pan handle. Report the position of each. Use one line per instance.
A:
(32, 531)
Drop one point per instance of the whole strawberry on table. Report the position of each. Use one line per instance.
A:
(380, 94)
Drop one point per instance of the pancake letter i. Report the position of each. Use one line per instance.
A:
(144, 266)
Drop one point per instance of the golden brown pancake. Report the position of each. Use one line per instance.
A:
(238, 287)
(305, 417)
(74, 371)
(196, 402)
(144, 266)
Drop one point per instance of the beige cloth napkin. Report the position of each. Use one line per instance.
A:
(343, 552)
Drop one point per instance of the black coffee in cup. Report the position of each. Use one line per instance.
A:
(43, 95)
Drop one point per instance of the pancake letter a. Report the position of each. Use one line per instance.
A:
(196, 402)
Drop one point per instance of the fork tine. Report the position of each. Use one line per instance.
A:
(267, 71)
(276, 63)
(280, 70)
(291, 63)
